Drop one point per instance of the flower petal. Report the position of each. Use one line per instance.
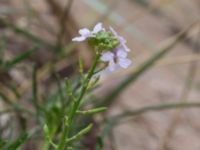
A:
(124, 62)
(97, 28)
(121, 54)
(79, 39)
(85, 32)
(107, 56)
(121, 40)
(126, 47)
(114, 32)
(112, 66)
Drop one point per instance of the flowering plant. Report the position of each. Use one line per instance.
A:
(110, 49)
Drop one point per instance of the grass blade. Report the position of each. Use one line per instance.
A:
(15, 145)
(12, 63)
(35, 90)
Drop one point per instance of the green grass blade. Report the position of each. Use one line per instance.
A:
(13, 88)
(12, 63)
(15, 145)
(4, 98)
(60, 90)
(16, 107)
(35, 90)
(156, 107)
(2, 143)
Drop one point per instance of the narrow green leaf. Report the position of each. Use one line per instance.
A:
(48, 137)
(16, 107)
(12, 63)
(35, 89)
(46, 131)
(5, 98)
(13, 88)
(80, 134)
(92, 111)
(99, 144)
(69, 91)
(60, 89)
(94, 83)
(157, 107)
(111, 121)
(15, 145)
(81, 66)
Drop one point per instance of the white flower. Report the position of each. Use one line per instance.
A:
(86, 33)
(116, 59)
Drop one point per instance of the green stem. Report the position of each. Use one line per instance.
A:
(53, 132)
(64, 135)
(76, 104)
(35, 91)
(84, 88)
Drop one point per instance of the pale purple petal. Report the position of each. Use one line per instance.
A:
(107, 56)
(124, 62)
(121, 54)
(112, 66)
(114, 32)
(79, 39)
(126, 47)
(84, 32)
(121, 40)
(97, 28)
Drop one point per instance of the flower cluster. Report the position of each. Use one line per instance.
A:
(112, 47)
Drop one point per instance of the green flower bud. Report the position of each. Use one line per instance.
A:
(103, 41)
